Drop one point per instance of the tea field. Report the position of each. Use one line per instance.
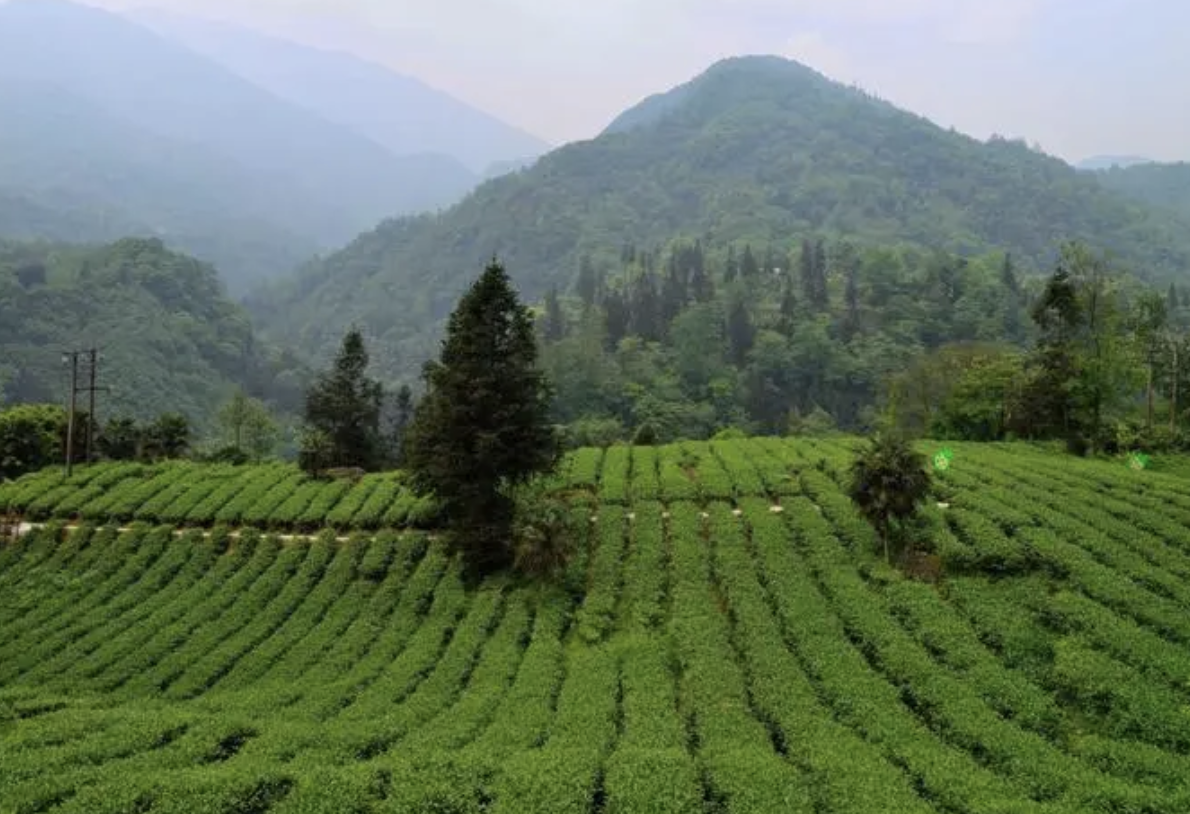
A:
(727, 641)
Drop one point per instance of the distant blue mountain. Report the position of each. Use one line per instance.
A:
(399, 112)
(116, 124)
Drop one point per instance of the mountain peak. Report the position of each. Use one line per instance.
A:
(726, 83)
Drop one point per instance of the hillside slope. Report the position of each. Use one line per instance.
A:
(763, 660)
(399, 112)
(1162, 185)
(758, 149)
(170, 338)
(71, 171)
(179, 133)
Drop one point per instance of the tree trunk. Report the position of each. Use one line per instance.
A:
(1149, 391)
(1173, 397)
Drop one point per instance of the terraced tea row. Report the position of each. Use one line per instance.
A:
(280, 497)
(273, 496)
(705, 653)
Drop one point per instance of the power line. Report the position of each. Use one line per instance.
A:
(72, 358)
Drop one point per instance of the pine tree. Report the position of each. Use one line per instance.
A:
(587, 284)
(617, 318)
(732, 269)
(820, 268)
(402, 416)
(851, 319)
(343, 412)
(1013, 326)
(646, 309)
(1008, 276)
(788, 307)
(483, 426)
(749, 268)
(553, 323)
(808, 272)
(741, 333)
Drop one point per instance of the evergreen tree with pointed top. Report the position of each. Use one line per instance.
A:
(741, 333)
(483, 427)
(749, 268)
(587, 284)
(617, 318)
(553, 322)
(788, 307)
(343, 411)
(810, 273)
(732, 268)
(851, 318)
(1013, 324)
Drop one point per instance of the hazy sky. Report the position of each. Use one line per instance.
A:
(1079, 77)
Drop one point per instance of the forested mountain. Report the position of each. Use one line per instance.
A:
(1163, 185)
(71, 171)
(400, 112)
(756, 149)
(106, 122)
(170, 339)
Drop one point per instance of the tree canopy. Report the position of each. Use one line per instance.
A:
(482, 427)
(343, 413)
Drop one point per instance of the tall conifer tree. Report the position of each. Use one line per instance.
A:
(343, 411)
(483, 426)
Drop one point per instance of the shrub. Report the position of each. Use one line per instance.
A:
(545, 533)
(888, 481)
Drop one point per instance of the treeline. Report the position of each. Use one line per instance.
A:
(1107, 370)
(692, 340)
(35, 436)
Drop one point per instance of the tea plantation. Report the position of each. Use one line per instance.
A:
(728, 640)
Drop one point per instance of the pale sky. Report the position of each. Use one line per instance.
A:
(1079, 77)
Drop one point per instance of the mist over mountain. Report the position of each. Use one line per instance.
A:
(756, 149)
(400, 112)
(1162, 185)
(124, 131)
(1106, 162)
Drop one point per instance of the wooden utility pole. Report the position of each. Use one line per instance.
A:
(73, 357)
(91, 421)
(91, 389)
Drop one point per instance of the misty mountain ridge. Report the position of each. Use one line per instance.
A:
(400, 112)
(1107, 162)
(187, 149)
(755, 149)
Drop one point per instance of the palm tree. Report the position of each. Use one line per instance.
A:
(888, 481)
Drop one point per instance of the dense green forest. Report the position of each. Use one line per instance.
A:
(693, 340)
(756, 149)
(1162, 185)
(170, 338)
